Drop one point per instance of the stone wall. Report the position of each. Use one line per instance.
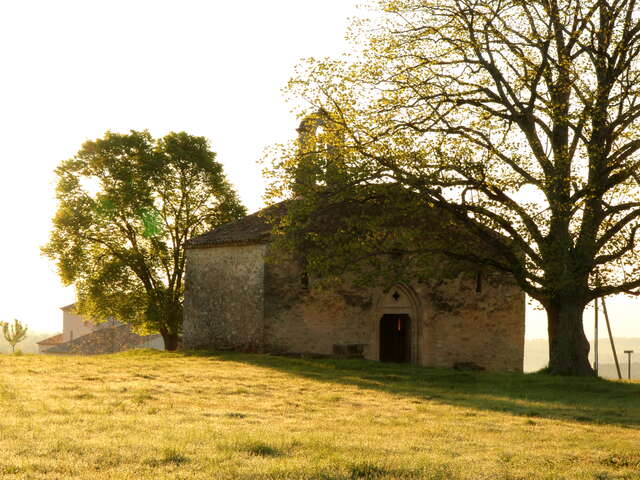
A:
(451, 322)
(302, 319)
(224, 293)
(234, 300)
(462, 325)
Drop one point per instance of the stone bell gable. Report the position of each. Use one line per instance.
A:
(239, 297)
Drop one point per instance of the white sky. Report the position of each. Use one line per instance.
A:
(70, 70)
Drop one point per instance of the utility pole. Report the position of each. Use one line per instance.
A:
(613, 346)
(629, 352)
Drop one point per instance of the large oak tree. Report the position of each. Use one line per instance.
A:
(519, 118)
(127, 205)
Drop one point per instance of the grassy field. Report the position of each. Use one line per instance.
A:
(149, 415)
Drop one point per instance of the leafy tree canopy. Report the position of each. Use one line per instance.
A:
(519, 119)
(127, 205)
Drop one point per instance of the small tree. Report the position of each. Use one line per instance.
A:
(15, 333)
(127, 205)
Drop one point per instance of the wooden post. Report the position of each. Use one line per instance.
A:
(613, 346)
(629, 352)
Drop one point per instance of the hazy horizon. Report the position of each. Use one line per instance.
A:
(535, 329)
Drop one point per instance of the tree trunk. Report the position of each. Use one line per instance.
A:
(568, 345)
(170, 341)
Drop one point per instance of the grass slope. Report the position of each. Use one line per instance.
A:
(150, 415)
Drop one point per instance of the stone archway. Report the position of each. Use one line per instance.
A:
(397, 326)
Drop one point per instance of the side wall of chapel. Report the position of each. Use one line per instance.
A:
(224, 298)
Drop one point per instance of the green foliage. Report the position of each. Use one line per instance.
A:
(14, 333)
(376, 234)
(127, 205)
(517, 120)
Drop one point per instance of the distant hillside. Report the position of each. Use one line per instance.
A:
(29, 345)
(608, 370)
(536, 356)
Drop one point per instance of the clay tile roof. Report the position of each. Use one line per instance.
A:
(254, 228)
(105, 340)
(55, 340)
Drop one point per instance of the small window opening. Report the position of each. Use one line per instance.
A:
(478, 282)
(304, 280)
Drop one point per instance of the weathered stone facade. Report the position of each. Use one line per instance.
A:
(236, 298)
(225, 303)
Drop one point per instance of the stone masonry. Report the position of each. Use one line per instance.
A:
(237, 298)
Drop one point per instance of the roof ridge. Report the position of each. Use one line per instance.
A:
(54, 340)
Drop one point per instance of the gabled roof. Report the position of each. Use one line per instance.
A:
(105, 340)
(68, 307)
(333, 213)
(55, 340)
(254, 228)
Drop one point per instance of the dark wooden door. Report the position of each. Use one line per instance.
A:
(395, 338)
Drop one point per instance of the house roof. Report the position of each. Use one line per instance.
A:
(257, 227)
(104, 340)
(68, 307)
(55, 340)
(254, 228)
(332, 215)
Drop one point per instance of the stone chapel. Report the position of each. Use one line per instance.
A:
(236, 298)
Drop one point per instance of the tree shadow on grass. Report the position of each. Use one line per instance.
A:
(588, 400)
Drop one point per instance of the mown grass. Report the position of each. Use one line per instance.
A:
(148, 415)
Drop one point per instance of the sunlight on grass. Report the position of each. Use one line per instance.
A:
(149, 415)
